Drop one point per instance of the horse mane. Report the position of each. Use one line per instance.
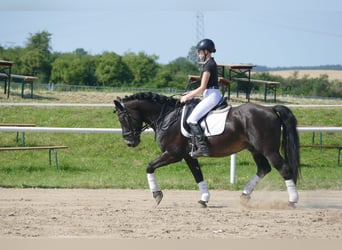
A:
(153, 97)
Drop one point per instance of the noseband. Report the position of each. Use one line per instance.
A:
(128, 118)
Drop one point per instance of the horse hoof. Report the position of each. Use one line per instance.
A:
(158, 196)
(203, 203)
(245, 198)
(292, 204)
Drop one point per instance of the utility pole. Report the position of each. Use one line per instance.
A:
(199, 25)
(199, 35)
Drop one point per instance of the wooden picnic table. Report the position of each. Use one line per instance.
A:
(247, 85)
(7, 76)
(25, 80)
(241, 74)
(5, 69)
(236, 70)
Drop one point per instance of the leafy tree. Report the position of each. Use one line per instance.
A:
(69, 69)
(112, 71)
(14, 54)
(40, 41)
(36, 58)
(80, 52)
(90, 63)
(163, 78)
(77, 68)
(175, 74)
(143, 67)
(336, 88)
(184, 66)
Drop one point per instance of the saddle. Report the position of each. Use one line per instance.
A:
(212, 123)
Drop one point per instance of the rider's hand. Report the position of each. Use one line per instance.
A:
(183, 99)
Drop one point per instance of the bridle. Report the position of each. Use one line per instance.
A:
(132, 132)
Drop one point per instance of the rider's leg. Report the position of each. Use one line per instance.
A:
(200, 140)
(211, 98)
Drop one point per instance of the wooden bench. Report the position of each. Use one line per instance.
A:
(25, 80)
(224, 83)
(22, 133)
(50, 148)
(246, 85)
(339, 148)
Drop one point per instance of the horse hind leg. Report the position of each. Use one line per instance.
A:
(292, 191)
(197, 174)
(263, 169)
(286, 172)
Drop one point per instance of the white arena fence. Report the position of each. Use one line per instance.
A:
(149, 131)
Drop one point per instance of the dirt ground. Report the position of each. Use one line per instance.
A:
(132, 214)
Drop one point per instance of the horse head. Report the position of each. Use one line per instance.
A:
(140, 111)
(131, 123)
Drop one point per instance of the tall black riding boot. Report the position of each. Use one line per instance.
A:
(199, 140)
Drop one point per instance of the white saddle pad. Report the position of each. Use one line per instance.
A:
(212, 125)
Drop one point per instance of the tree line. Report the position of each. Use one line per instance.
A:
(133, 69)
(304, 86)
(107, 69)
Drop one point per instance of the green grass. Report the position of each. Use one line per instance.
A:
(104, 161)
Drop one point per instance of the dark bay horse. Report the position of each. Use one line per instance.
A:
(261, 130)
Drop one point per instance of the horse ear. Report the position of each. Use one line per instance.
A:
(118, 105)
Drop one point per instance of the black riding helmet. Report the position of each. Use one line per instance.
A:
(206, 44)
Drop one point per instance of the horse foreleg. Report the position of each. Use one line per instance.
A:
(157, 194)
(164, 159)
(202, 185)
(205, 195)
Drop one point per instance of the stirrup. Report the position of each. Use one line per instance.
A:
(199, 153)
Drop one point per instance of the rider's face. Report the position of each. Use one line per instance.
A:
(201, 54)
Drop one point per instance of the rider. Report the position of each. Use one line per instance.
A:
(211, 95)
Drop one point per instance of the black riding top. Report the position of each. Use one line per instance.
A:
(211, 67)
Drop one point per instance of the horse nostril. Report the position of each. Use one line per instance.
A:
(130, 143)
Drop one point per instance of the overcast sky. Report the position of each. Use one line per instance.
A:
(270, 33)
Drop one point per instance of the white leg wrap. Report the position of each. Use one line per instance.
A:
(152, 183)
(292, 190)
(204, 191)
(251, 185)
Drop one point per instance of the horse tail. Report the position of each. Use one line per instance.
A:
(290, 142)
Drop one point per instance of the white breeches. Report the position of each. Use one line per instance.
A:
(211, 97)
